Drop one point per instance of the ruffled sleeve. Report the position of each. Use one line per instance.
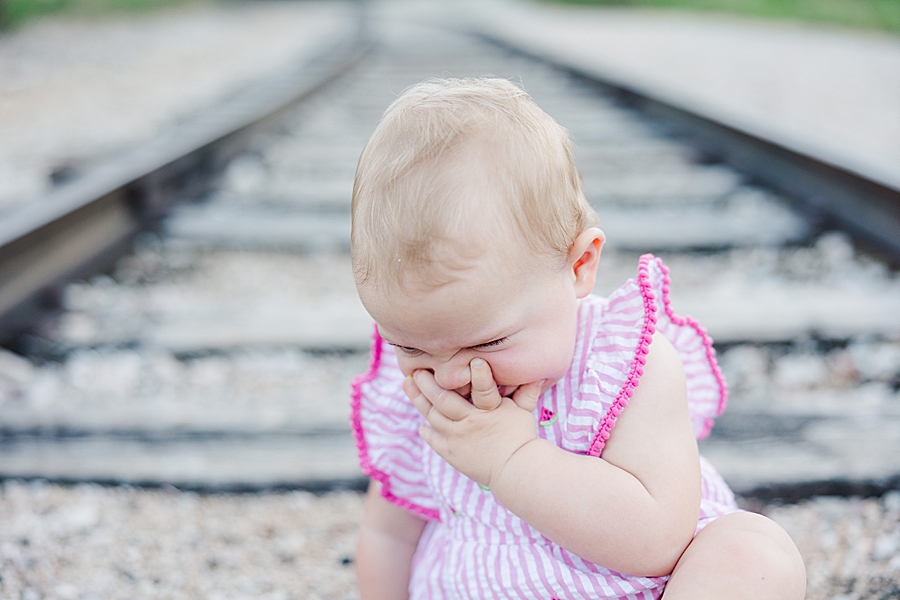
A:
(386, 427)
(619, 342)
(706, 388)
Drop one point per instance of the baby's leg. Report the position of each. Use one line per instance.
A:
(742, 555)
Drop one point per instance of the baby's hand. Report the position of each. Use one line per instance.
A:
(479, 438)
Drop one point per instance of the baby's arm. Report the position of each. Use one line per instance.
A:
(388, 536)
(634, 511)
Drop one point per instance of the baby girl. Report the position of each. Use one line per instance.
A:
(524, 438)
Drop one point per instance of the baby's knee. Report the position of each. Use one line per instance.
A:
(746, 554)
(761, 550)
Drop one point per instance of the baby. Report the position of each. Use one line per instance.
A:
(524, 438)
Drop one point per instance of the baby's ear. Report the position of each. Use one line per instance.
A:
(584, 256)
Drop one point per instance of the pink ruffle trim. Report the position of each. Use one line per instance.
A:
(640, 356)
(707, 344)
(362, 447)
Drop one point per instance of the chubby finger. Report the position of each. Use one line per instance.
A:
(418, 399)
(409, 387)
(447, 402)
(485, 394)
(426, 408)
(527, 395)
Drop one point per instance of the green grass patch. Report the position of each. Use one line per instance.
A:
(14, 13)
(881, 15)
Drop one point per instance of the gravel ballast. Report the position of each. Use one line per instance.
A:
(88, 542)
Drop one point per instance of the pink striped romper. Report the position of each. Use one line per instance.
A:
(472, 547)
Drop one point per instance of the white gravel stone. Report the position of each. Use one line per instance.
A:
(245, 176)
(799, 371)
(886, 546)
(120, 543)
(875, 360)
(848, 546)
(803, 381)
(891, 502)
(745, 368)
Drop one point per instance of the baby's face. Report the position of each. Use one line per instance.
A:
(522, 322)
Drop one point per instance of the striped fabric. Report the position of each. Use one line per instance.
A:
(472, 546)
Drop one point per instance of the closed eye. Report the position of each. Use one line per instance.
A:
(416, 352)
(490, 344)
(407, 350)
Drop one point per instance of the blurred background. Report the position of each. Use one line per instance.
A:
(177, 311)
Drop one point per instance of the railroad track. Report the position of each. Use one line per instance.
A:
(217, 353)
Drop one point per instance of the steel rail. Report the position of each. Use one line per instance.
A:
(81, 227)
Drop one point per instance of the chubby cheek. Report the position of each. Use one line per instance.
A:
(535, 366)
(512, 373)
(548, 359)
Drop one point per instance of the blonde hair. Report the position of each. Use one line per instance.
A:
(439, 142)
